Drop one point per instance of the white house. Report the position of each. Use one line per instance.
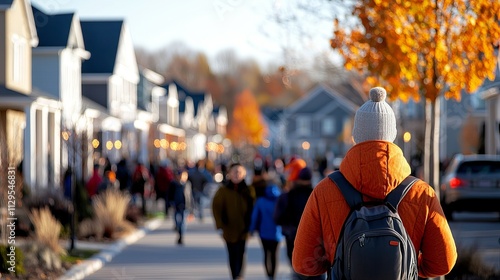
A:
(56, 71)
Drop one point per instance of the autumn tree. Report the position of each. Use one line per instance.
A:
(424, 50)
(247, 125)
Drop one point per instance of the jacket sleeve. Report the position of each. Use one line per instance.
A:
(438, 252)
(217, 208)
(309, 253)
(256, 218)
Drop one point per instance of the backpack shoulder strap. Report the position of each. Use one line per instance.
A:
(352, 196)
(396, 195)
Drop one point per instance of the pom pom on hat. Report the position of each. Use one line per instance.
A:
(375, 119)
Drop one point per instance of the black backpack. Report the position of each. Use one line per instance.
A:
(373, 243)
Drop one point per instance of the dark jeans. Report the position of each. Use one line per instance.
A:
(199, 202)
(270, 256)
(237, 257)
(289, 246)
(180, 219)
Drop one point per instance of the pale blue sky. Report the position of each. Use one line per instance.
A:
(209, 26)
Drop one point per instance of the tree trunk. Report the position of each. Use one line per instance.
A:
(431, 147)
(435, 169)
(427, 141)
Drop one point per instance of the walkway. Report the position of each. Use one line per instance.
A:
(157, 256)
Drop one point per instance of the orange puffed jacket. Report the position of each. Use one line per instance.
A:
(374, 168)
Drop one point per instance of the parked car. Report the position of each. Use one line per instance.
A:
(471, 183)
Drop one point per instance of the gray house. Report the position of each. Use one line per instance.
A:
(319, 124)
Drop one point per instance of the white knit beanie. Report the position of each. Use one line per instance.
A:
(375, 119)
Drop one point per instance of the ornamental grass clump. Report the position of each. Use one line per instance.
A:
(47, 229)
(110, 208)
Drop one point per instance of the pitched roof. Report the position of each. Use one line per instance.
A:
(52, 30)
(101, 39)
(6, 2)
(197, 96)
(272, 113)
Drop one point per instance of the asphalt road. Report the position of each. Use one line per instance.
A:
(481, 230)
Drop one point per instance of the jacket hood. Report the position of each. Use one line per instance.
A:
(272, 192)
(375, 168)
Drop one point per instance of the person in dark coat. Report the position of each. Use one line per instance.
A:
(232, 208)
(139, 180)
(182, 202)
(288, 212)
(67, 183)
(269, 233)
(199, 179)
(163, 179)
(123, 175)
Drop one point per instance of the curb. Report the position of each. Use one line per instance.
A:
(96, 262)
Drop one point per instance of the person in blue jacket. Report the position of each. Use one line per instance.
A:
(269, 233)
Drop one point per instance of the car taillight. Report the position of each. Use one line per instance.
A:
(455, 183)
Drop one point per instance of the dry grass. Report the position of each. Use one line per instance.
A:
(47, 229)
(110, 208)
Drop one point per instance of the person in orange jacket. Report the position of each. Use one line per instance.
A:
(374, 166)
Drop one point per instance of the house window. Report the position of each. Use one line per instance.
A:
(19, 59)
(303, 125)
(328, 126)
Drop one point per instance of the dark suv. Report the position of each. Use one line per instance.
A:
(471, 183)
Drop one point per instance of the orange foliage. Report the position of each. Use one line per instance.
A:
(420, 48)
(247, 126)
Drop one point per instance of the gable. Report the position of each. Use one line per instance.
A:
(312, 105)
(126, 63)
(21, 10)
(316, 99)
(101, 39)
(183, 93)
(52, 30)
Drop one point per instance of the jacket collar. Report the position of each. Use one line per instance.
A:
(375, 167)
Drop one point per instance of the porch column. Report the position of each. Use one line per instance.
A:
(29, 171)
(55, 147)
(42, 147)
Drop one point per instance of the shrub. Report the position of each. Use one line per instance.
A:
(109, 209)
(47, 229)
(59, 206)
(4, 260)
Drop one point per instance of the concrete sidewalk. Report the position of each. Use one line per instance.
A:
(152, 253)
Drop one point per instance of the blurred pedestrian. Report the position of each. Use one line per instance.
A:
(293, 168)
(94, 181)
(140, 178)
(163, 180)
(199, 179)
(182, 203)
(288, 212)
(232, 208)
(108, 182)
(123, 175)
(269, 233)
(259, 180)
(67, 183)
